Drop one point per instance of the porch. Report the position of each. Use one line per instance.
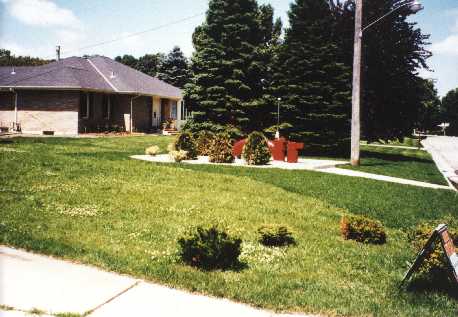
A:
(100, 112)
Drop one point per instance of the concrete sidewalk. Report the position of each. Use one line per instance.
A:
(31, 282)
(444, 150)
(324, 166)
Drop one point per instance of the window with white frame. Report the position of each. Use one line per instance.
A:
(85, 105)
(173, 110)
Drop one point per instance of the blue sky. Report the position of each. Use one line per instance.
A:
(35, 27)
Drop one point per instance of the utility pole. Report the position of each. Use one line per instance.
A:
(356, 94)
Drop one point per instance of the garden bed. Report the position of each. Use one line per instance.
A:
(303, 164)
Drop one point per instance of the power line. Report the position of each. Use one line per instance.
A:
(135, 34)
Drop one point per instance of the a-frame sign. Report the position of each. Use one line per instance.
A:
(441, 235)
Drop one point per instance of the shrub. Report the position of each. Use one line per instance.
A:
(185, 142)
(362, 229)
(203, 141)
(221, 149)
(179, 156)
(275, 236)
(210, 248)
(435, 267)
(152, 150)
(256, 151)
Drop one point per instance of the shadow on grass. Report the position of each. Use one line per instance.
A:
(236, 267)
(426, 286)
(391, 157)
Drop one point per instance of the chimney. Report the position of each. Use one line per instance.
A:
(58, 52)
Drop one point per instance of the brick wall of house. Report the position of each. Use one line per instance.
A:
(40, 111)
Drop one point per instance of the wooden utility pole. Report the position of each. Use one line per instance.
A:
(356, 94)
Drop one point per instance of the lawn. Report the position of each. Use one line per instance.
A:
(85, 200)
(404, 163)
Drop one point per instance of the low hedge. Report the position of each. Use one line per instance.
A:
(362, 229)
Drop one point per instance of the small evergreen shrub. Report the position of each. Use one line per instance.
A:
(256, 151)
(185, 142)
(179, 156)
(275, 236)
(221, 149)
(210, 248)
(362, 229)
(204, 140)
(435, 267)
(152, 150)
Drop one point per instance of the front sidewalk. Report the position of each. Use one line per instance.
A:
(48, 286)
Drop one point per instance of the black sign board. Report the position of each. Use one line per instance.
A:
(440, 234)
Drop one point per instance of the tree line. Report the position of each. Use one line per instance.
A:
(246, 64)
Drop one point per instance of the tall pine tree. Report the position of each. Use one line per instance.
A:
(226, 88)
(312, 81)
(175, 68)
(393, 52)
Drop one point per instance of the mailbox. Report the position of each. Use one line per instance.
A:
(293, 151)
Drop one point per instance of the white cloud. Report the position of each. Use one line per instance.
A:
(449, 46)
(42, 13)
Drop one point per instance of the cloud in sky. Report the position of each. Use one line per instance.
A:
(449, 46)
(43, 13)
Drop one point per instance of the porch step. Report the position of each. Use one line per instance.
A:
(170, 132)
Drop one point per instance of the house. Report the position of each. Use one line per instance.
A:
(81, 95)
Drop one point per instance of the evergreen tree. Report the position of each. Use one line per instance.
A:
(226, 86)
(175, 68)
(127, 60)
(449, 111)
(312, 81)
(430, 110)
(393, 52)
(150, 64)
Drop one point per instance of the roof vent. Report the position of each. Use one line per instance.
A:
(112, 75)
(13, 72)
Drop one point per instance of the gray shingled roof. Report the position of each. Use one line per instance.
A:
(96, 73)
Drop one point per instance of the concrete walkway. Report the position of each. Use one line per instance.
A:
(390, 179)
(394, 146)
(325, 166)
(444, 150)
(31, 282)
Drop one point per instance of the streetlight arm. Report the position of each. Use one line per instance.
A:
(382, 17)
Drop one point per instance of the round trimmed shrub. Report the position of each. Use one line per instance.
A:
(179, 156)
(275, 236)
(210, 248)
(185, 142)
(221, 149)
(203, 141)
(152, 150)
(256, 151)
(435, 267)
(362, 229)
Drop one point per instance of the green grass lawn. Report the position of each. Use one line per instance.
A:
(404, 163)
(85, 200)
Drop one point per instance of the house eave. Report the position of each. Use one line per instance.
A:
(76, 88)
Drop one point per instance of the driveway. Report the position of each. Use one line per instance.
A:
(444, 150)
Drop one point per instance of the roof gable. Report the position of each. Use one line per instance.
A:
(97, 73)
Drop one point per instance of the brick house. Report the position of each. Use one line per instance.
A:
(80, 95)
